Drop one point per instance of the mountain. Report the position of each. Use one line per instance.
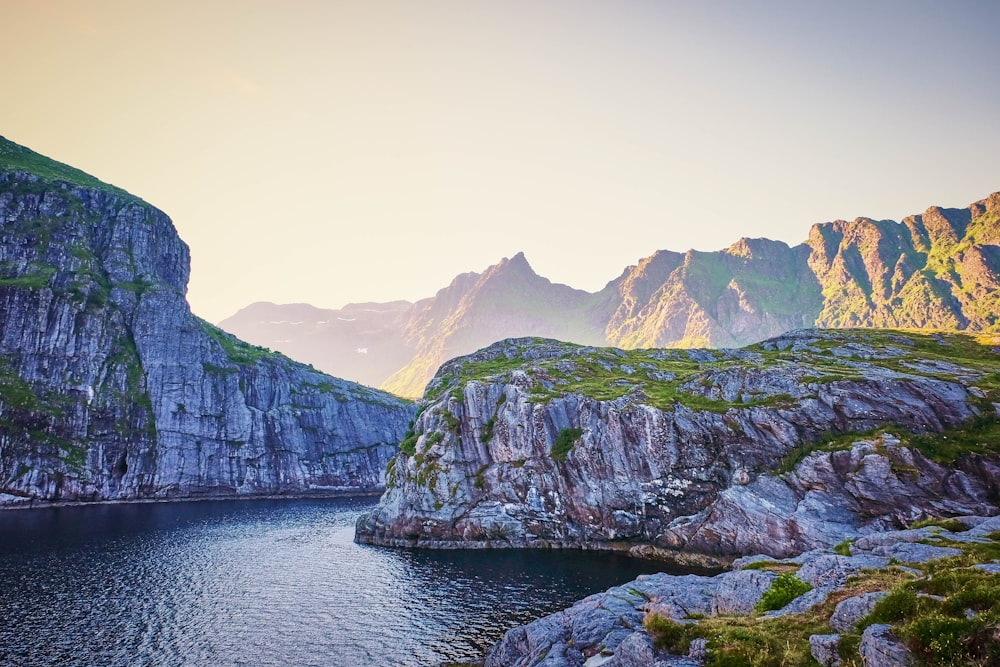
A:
(940, 269)
(110, 389)
(478, 309)
(399, 345)
(698, 455)
(362, 342)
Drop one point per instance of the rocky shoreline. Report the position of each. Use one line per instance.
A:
(867, 602)
(38, 504)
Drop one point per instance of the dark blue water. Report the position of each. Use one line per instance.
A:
(263, 583)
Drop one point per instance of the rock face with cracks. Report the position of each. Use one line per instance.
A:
(698, 454)
(662, 620)
(110, 389)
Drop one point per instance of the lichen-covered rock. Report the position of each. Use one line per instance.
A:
(738, 592)
(605, 623)
(848, 612)
(611, 628)
(880, 648)
(824, 649)
(110, 389)
(534, 443)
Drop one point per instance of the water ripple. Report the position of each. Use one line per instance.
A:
(262, 583)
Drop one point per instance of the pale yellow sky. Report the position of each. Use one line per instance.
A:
(328, 152)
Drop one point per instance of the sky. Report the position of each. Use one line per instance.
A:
(335, 152)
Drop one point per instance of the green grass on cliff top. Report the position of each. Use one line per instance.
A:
(15, 157)
(664, 378)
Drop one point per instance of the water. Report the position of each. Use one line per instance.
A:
(261, 583)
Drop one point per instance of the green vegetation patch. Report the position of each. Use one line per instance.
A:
(487, 433)
(15, 157)
(951, 617)
(564, 443)
(237, 351)
(39, 277)
(951, 525)
(947, 614)
(741, 641)
(783, 590)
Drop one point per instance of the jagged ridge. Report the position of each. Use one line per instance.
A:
(940, 269)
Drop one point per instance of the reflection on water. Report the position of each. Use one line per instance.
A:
(263, 583)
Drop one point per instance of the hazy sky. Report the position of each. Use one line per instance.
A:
(329, 152)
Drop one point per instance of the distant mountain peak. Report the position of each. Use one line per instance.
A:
(517, 263)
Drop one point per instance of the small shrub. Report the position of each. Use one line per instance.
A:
(409, 444)
(783, 590)
(564, 442)
(952, 525)
(487, 433)
(480, 482)
(897, 605)
(844, 548)
(667, 634)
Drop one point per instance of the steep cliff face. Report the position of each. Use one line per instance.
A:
(111, 389)
(539, 443)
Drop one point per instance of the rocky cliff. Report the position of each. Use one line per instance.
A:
(111, 389)
(696, 454)
(940, 269)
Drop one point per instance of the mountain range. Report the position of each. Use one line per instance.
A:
(939, 269)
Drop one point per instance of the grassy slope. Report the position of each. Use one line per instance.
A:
(15, 157)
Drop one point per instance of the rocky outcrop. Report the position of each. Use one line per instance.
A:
(694, 454)
(660, 619)
(110, 389)
(940, 269)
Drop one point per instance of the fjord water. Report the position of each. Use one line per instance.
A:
(263, 583)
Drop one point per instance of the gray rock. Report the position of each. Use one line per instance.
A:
(824, 649)
(134, 396)
(606, 621)
(893, 537)
(914, 552)
(992, 568)
(698, 649)
(635, 651)
(880, 648)
(834, 570)
(987, 526)
(848, 612)
(673, 478)
(738, 592)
